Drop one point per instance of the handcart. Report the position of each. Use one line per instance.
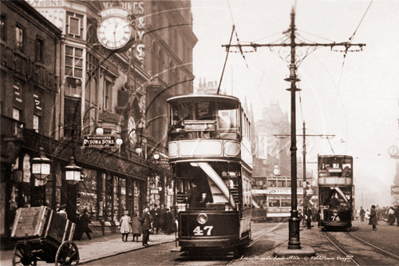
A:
(41, 234)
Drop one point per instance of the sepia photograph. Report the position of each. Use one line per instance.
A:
(199, 132)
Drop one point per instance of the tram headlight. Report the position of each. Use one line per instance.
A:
(202, 218)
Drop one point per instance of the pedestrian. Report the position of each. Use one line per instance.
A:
(391, 216)
(146, 226)
(373, 217)
(157, 219)
(125, 225)
(362, 213)
(61, 210)
(162, 212)
(397, 215)
(318, 220)
(309, 216)
(84, 222)
(136, 227)
(169, 222)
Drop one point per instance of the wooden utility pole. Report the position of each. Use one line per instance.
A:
(293, 240)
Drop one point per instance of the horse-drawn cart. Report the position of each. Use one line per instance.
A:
(43, 235)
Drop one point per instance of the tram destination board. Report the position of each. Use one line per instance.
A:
(99, 141)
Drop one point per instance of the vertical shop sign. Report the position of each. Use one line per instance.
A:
(26, 169)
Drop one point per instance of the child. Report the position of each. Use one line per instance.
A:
(136, 227)
(125, 226)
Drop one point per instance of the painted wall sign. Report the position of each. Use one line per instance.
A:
(46, 3)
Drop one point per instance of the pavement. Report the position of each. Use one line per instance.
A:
(112, 244)
(100, 247)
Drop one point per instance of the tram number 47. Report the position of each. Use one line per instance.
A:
(198, 232)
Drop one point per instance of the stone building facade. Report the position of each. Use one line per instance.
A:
(107, 94)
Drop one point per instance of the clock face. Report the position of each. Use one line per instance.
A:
(131, 126)
(114, 33)
(393, 151)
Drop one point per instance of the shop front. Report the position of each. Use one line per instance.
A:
(108, 185)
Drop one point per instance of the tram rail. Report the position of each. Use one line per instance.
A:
(360, 251)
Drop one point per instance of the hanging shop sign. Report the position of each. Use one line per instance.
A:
(99, 141)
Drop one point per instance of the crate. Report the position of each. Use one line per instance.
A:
(31, 222)
(42, 222)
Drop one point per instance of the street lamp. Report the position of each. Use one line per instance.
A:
(41, 165)
(72, 172)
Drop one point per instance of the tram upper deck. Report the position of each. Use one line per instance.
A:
(208, 126)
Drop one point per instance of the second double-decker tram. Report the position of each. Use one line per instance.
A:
(335, 181)
(210, 152)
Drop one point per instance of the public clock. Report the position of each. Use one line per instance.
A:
(276, 170)
(393, 151)
(131, 127)
(114, 32)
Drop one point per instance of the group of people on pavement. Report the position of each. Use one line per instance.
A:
(376, 214)
(151, 221)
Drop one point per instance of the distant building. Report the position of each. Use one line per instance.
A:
(271, 150)
(210, 87)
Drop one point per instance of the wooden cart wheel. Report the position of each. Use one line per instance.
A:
(67, 254)
(22, 256)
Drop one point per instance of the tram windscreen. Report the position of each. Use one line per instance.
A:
(213, 119)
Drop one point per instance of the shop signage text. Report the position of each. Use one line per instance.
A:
(99, 141)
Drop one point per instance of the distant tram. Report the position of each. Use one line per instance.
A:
(210, 153)
(335, 181)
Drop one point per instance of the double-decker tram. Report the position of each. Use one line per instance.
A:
(335, 181)
(210, 152)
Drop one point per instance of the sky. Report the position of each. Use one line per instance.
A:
(355, 98)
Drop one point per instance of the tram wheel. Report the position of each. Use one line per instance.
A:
(22, 256)
(67, 254)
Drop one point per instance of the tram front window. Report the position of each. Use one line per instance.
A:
(204, 119)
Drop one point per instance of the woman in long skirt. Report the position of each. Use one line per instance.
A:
(125, 226)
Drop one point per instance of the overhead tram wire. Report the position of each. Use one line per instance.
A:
(346, 51)
(242, 53)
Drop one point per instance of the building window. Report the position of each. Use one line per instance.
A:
(74, 25)
(19, 37)
(37, 112)
(108, 95)
(39, 50)
(73, 61)
(36, 123)
(18, 103)
(2, 28)
(16, 114)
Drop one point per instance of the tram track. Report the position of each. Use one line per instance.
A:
(360, 251)
(222, 258)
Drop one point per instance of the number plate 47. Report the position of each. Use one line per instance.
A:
(198, 232)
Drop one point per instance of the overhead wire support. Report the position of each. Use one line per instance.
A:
(293, 241)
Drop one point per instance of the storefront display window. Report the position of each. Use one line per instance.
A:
(115, 215)
(122, 183)
(109, 195)
(88, 193)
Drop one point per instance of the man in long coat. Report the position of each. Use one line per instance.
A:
(373, 217)
(146, 226)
